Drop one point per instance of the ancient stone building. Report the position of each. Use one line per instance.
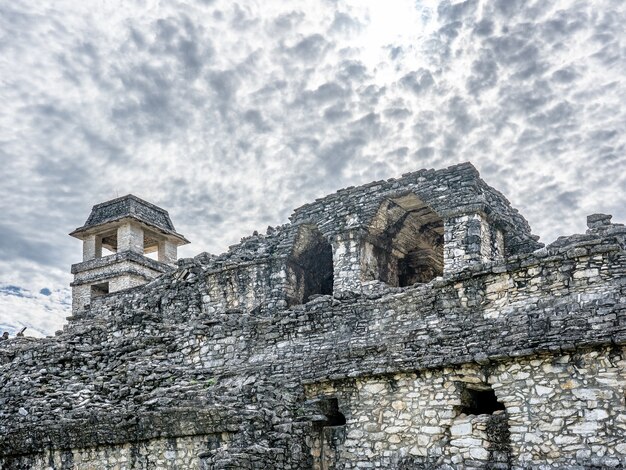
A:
(405, 324)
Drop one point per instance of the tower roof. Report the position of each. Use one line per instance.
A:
(129, 206)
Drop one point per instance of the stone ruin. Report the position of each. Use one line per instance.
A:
(413, 323)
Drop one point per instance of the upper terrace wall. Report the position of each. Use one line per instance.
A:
(477, 225)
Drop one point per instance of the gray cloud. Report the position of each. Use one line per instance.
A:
(418, 81)
(336, 113)
(14, 245)
(254, 117)
(484, 27)
(309, 49)
(484, 74)
(335, 156)
(345, 24)
(287, 21)
(565, 75)
(449, 12)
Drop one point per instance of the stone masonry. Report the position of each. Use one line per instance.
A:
(413, 323)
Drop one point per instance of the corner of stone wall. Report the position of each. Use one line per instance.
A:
(470, 239)
(600, 224)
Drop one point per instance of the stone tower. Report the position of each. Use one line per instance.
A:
(129, 228)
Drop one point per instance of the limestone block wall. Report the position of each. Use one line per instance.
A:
(471, 239)
(130, 237)
(92, 247)
(567, 411)
(167, 252)
(413, 419)
(121, 271)
(119, 263)
(251, 288)
(82, 295)
(348, 261)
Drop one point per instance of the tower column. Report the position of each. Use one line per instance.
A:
(470, 239)
(168, 252)
(130, 238)
(92, 247)
(347, 254)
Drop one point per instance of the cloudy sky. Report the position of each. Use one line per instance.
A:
(230, 114)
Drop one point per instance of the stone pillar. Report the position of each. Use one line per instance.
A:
(346, 262)
(468, 240)
(168, 252)
(92, 247)
(130, 238)
(378, 264)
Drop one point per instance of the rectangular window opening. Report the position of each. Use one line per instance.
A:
(475, 401)
(99, 289)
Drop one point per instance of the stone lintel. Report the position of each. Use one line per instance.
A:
(83, 232)
(117, 258)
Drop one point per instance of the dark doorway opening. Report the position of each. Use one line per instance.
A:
(330, 409)
(310, 266)
(404, 245)
(329, 433)
(479, 401)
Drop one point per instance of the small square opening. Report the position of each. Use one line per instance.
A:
(99, 289)
(475, 401)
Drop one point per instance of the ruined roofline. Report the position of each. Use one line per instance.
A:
(449, 192)
(463, 189)
(81, 232)
(406, 177)
(129, 206)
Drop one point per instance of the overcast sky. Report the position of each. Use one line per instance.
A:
(230, 114)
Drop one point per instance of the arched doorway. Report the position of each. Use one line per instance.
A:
(404, 243)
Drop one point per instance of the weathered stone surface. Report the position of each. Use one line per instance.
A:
(468, 345)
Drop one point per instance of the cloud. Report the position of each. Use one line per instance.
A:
(309, 49)
(484, 74)
(345, 24)
(418, 81)
(41, 313)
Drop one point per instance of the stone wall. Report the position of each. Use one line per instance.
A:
(565, 411)
(163, 453)
(515, 360)
(119, 271)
